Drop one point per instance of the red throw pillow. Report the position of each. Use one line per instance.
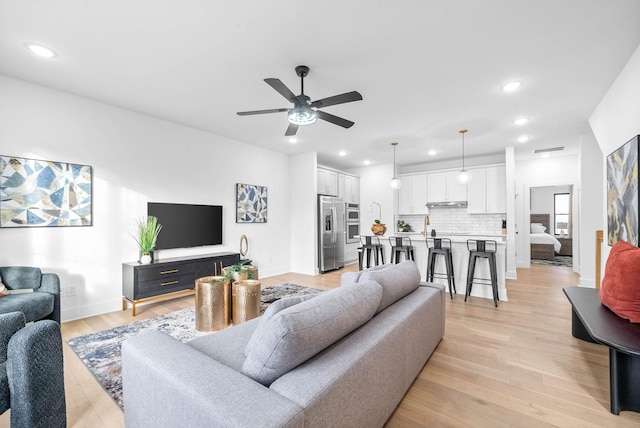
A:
(620, 289)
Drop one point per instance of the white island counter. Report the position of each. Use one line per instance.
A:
(460, 255)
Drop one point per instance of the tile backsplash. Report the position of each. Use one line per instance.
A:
(448, 219)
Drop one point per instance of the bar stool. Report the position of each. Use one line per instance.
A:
(487, 250)
(372, 244)
(441, 246)
(401, 245)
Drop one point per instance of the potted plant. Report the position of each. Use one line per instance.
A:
(238, 272)
(378, 228)
(404, 227)
(146, 237)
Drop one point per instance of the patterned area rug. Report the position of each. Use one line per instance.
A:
(557, 261)
(100, 351)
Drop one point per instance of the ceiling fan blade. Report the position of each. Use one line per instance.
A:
(334, 119)
(273, 110)
(282, 89)
(291, 130)
(338, 99)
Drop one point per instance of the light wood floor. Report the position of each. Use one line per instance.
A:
(512, 366)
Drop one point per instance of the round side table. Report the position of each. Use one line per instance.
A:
(245, 296)
(212, 303)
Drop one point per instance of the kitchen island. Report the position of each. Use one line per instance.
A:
(460, 255)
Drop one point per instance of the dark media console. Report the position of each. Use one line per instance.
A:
(169, 277)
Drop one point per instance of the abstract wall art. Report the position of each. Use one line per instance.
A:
(37, 193)
(622, 193)
(251, 203)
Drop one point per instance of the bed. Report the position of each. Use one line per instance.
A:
(543, 245)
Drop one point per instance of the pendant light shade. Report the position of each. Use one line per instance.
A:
(395, 183)
(463, 176)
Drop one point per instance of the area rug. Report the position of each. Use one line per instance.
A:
(100, 351)
(557, 261)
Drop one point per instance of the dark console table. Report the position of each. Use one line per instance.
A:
(169, 277)
(594, 322)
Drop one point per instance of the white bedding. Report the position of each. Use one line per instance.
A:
(545, 238)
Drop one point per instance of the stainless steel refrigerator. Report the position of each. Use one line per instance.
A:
(331, 233)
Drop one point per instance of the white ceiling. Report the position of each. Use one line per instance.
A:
(425, 68)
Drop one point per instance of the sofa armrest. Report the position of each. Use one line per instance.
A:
(51, 284)
(166, 383)
(443, 293)
(10, 324)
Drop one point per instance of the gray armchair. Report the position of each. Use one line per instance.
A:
(42, 303)
(31, 372)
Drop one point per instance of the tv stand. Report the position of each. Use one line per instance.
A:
(171, 277)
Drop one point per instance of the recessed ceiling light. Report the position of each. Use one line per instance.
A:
(293, 140)
(511, 86)
(40, 50)
(367, 162)
(342, 153)
(431, 152)
(521, 121)
(523, 139)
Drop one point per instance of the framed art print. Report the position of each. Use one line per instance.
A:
(251, 203)
(38, 193)
(622, 193)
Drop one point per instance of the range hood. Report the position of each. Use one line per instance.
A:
(452, 204)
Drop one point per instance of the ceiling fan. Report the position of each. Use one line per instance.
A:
(305, 111)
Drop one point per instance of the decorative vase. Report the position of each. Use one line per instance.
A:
(145, 259)
(378, 229)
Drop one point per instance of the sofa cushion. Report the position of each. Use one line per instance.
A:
(299, 332)
(620, 290)
(353, 277)
(273, 309)
(34, 306)
(397, 280)
(15, 277)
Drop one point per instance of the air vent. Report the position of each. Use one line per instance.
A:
(552, 149)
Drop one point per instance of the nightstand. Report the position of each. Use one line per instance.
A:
(567, 247)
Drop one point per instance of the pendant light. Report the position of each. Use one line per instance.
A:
(395, 183)
(464, 175)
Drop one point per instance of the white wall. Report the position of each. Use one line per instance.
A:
(374, 186)
(591, 186)
(135, 159)
(304, 224)
(615, 121)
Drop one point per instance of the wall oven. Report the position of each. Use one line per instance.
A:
(353, 231)
(352, 222)
(352, 212)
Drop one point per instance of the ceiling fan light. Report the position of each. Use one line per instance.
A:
(302, 116)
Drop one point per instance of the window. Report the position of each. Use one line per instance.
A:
(561, 204)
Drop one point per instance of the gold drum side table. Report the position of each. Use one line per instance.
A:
(245, 300)
(212, 303)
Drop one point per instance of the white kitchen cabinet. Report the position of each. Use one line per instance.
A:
(497, 189)
(445, 187)
(412, 196)
(327, 182)
(351, 192)
(488, 191)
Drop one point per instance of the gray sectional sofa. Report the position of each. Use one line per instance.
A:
(40, 293)
(344, 358)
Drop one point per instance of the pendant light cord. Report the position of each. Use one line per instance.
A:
(462, 131)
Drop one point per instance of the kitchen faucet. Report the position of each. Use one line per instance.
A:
(426, 223)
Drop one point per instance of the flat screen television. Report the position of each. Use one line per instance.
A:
(186, 225)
